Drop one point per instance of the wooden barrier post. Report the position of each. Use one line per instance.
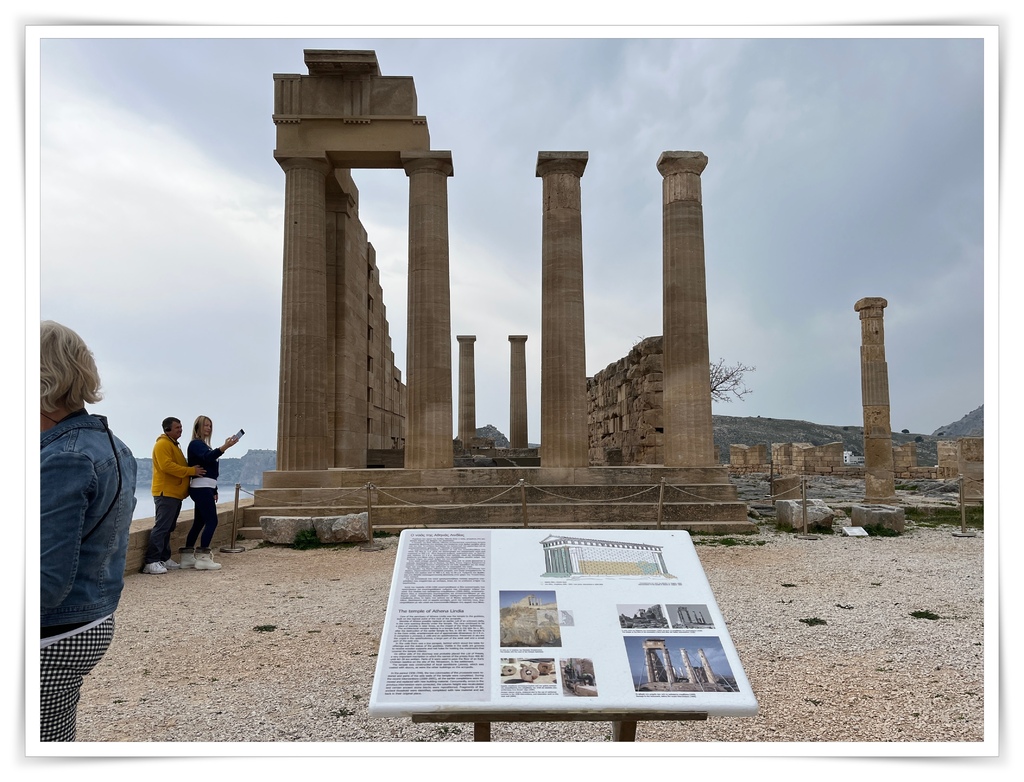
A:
(233, 547)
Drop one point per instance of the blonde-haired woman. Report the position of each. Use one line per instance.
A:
(86, 499)
(203, 491)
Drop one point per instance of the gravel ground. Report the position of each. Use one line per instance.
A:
(280, 646)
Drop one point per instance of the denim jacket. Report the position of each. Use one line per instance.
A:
(83, 547)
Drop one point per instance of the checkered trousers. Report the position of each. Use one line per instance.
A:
(62, 667)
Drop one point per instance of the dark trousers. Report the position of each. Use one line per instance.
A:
(164, 522)
(205, 517)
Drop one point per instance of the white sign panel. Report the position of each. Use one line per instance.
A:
(554, 620)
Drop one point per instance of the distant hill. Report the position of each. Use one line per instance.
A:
(729, 430)
(247, 470)
(971, 425)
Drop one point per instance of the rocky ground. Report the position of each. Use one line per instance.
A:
(280, 646)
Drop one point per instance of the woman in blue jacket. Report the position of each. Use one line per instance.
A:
(203, 491)
(86, 498)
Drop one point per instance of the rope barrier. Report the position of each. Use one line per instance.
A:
(522, 485)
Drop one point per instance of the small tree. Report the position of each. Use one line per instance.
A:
(727, 381)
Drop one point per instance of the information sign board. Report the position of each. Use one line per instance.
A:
(550, 620)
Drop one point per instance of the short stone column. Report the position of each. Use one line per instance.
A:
(688, 438)
(428, 436)
(879, 483)
(518, 434)
(302, 432)
(467, 390)
(563, 363)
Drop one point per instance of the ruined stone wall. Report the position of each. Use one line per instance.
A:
(947, 456)
(365, 389)
(971, 464)
(807, 459)
(386, 403)
(624, 408)
(748, 458)
(904, 459)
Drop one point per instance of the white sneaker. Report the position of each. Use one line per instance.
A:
(154, 569)
(170, 564)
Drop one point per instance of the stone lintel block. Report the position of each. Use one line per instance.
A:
(791, 512)
(350, 528)
(283, 529)
(888, 516)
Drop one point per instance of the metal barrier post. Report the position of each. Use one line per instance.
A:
(963, 533)
(522, 495)
(661, 502)
(369, 545)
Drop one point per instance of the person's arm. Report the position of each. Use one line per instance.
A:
(200, 453)
(68, 484)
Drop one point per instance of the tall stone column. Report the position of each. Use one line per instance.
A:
(302, 433)
(563, 369)
(518, 429)
(467, 390)
(879, 483)
(428, 438)
(688, 438)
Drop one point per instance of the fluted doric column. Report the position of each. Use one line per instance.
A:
(428, 438)
(688, 438)
(518, 436)
(563, 366)
(879, 481)
(467, 390)
(302, 433)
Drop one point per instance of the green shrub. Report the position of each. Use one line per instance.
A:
(306, 539)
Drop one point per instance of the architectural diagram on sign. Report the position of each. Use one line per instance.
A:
(568, 555)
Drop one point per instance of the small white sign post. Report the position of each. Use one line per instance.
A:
(524, 625)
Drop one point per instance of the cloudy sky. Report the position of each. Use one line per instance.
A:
(843, 163)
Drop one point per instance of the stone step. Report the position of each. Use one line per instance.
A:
(554, 515)
(465, 495)
(497, 476)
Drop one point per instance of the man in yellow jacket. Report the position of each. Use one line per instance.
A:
(171, 475)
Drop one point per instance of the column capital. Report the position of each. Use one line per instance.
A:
(466, 338)
(682, 163)
(561, 163)
(870, 306)
(316, 163)
(440, 161)
(517, 337)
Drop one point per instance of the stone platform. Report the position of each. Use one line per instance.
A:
(698, 499)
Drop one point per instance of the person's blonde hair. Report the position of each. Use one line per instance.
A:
(68, 378)
(197, 429)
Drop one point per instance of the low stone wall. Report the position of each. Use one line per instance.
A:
(138, 536)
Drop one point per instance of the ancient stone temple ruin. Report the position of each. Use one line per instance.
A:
(341, 397)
